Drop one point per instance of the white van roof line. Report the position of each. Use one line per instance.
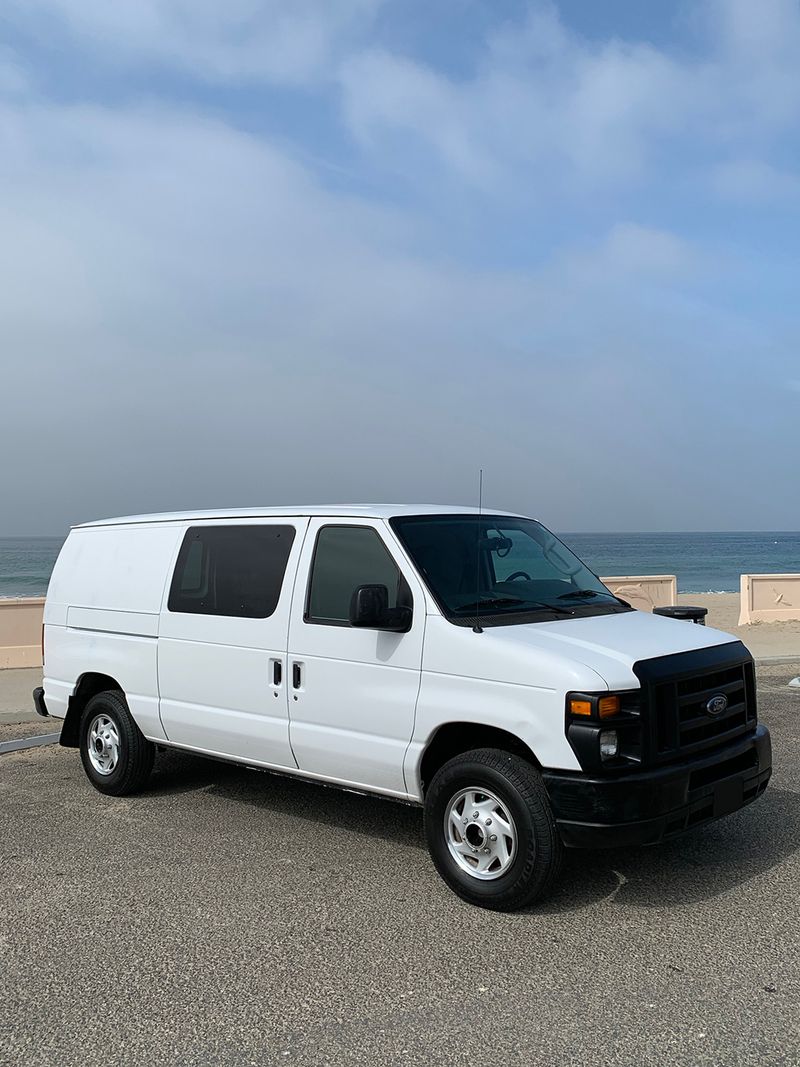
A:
(366, 511)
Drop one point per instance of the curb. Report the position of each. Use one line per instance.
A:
(29, 742)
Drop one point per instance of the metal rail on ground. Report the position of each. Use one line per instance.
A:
(28, 742)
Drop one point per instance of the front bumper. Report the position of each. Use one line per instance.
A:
(39, 704)
(646, 807)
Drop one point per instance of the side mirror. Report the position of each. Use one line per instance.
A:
(369, 608)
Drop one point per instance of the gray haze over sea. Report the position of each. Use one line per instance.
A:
(703, 562)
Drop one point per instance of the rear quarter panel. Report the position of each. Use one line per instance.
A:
(101, 614)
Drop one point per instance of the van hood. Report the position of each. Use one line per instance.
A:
(610, 644)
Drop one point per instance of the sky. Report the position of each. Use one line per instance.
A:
(270, 252)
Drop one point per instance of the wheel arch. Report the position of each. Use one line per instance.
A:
(88, 685)
(452, 738)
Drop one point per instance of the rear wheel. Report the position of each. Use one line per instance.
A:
(116, 755)
(491, 831)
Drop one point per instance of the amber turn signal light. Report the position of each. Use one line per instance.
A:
(608, 706)
(580, 707)
(593, 705)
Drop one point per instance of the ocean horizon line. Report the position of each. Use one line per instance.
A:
(703, 562)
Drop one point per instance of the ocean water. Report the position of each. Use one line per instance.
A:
(703, 562)
(26, 564)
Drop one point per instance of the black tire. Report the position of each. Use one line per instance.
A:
(535, 860)
(135, 753)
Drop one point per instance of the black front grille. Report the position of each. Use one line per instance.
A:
(676, 691)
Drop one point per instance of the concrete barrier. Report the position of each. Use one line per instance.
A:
(646, 591)
(764, 598)
(21, 631)
(769, 598)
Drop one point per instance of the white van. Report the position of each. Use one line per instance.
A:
(462, 661)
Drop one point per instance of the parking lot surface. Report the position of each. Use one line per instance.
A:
(232, 917)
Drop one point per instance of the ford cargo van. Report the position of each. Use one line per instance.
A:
(465, 662)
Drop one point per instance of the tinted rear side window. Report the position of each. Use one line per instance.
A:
(231, 570)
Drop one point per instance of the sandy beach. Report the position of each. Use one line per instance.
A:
(764, 639)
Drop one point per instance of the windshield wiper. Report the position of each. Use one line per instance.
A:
(490, 602)
(499, 602)
(579, 593)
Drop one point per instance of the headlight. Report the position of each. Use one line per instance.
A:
(605, 729)
(609, 744)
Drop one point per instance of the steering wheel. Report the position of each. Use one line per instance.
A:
(518, 574)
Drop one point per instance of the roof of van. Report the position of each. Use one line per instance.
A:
(367, 511)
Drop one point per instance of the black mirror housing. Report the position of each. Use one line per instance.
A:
(369, 606)
(369, 609)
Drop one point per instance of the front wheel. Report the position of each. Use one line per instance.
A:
(491, 831)
(116, 755)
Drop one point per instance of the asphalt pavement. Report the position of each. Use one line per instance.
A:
(229, 917)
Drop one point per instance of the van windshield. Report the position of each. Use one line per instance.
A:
(501, 569)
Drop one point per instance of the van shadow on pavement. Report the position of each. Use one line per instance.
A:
(178, 772)
(696, 866)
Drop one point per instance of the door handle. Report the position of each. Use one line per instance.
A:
(297, 675)
(277, 672)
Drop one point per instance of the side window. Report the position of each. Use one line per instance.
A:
(231, 570)
(344, 558)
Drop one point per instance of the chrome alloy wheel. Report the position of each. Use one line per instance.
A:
(103, 744)
(480, 833)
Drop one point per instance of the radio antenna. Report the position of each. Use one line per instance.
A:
(477, 628)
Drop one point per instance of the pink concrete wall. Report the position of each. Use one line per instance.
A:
(769, 598)
(21, 631)
(646, 591)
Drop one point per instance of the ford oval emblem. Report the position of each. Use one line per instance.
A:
(717, 704)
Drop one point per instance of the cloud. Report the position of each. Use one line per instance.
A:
(385, 94)
(199, 313)
(631, 250)
(539, 102)
(543, 100)
(193, 297)
(237, 41)
(13, 79)
(755, 181)
(540, 99)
